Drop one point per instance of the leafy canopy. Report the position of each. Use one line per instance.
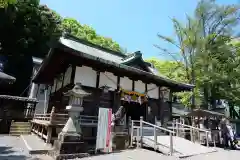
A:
(208, 61)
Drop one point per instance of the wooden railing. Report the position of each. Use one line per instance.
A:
(44, 124)
(141, 125)
(52, 118)
(59, 119)
(88, 120)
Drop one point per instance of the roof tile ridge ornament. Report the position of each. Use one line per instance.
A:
(134, 54)
(77, 91)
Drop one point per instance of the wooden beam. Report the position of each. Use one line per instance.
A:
(73, 74)
(55, 89)
(170, 103)
(37, 90)
(133, 85)
(51, 86)
(98, 79)
(159, 114)
(63, 78)
(118, 83)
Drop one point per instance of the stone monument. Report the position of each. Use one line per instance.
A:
(70, 144)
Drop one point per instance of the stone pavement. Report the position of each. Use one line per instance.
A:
(35, 145)
(142, 154)
(13, 148)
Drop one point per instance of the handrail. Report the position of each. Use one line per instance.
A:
(161, 128)
(200, 129)
(155, 127)
(59, 118)
(207, 132)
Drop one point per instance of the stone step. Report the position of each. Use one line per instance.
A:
(19, 133)
(20, 130)
(22, 124)
(25, 126)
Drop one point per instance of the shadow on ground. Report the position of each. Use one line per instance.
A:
(7, 153)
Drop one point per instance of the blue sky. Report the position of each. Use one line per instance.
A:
(134, 24)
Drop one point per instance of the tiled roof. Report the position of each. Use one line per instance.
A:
(104, 56)
(110, 58)
(6, 78)
(17, 98)
(90, 50)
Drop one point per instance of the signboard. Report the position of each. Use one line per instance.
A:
(104, 137)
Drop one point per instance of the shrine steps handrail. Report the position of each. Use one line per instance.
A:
(155, 128)
(195, 128)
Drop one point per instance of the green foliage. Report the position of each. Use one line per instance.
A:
(30, 26)
(210, 61)
(88, 33)
(5, 3)
(175, 71)
(26, 28)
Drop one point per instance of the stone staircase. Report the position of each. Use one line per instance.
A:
(20, 128)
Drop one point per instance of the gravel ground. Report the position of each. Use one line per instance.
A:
(13, 148)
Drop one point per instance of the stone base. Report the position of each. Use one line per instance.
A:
(67, 156)
(69, 145)
(120, 141)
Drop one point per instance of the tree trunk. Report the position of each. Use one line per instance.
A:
(205, 93)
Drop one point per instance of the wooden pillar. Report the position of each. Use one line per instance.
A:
(49, 128)
(97, 79)
(159, 110)
(73, 74)
(133, 85)
(49, 134)
(170, 103)
(46, 99)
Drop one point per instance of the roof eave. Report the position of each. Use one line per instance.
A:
(172, 84)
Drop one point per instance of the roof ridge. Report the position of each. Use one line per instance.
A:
(88, 43)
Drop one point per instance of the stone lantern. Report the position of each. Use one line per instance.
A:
(74, 108)
(69, 139)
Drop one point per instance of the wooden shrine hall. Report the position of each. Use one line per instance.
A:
(114, 79)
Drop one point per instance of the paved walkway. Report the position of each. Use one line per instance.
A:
(35, 145)
(13, 148)
(141, 154)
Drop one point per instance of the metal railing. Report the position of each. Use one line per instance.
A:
(195, 133)
(140, 135)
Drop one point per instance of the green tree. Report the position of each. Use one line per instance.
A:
(26, 27)
(176, 71)
(216, 23)
(202, 42)
(88, 33)
(5, 3)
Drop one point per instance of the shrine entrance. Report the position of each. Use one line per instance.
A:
(135, 110)
(135, 104)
